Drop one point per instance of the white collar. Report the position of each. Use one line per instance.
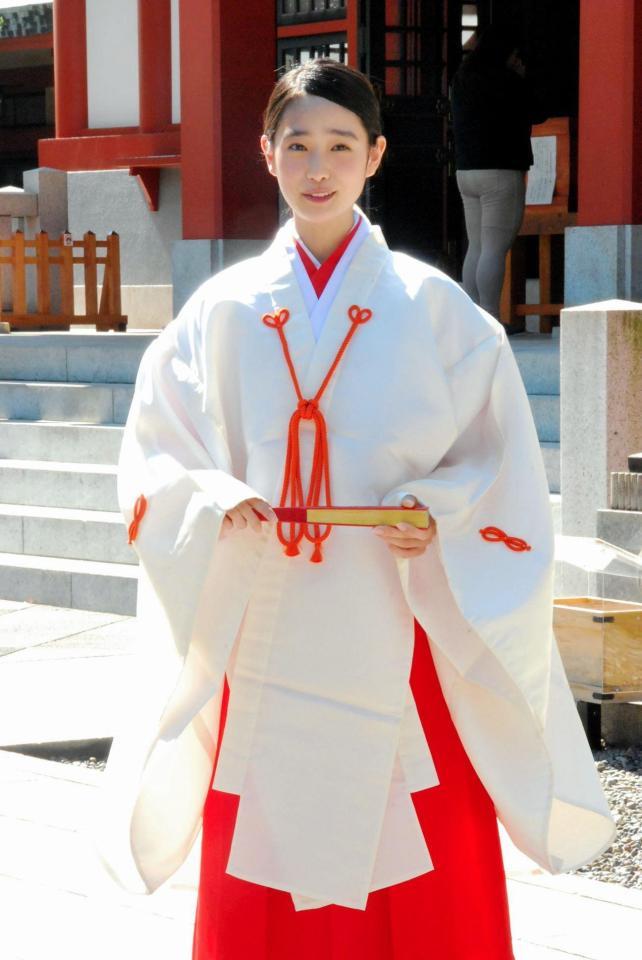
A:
(315, 261)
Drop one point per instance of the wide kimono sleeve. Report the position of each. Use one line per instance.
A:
(192, 594)
(483, 593)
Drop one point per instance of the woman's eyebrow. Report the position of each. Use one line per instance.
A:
(343, 133)
(306, 133)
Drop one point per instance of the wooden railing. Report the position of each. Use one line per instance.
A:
(45, 253)
(544, 221)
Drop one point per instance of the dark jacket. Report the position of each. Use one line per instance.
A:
(492, 111)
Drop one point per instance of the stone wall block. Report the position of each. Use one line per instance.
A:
(601, 405)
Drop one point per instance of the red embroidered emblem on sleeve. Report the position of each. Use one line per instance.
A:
(139, 512)
(495, 535)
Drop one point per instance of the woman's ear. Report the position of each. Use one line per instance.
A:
(375, 154)
(267, 150)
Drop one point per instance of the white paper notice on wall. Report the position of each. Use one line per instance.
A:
(541, 176)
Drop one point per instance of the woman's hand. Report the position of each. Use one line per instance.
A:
(243, 516)
(404, 540)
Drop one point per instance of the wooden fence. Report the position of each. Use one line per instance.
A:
(48, 255)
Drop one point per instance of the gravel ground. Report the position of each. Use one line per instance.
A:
(620, 770)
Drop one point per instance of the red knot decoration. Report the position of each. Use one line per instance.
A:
(495, 535)
(139, 512)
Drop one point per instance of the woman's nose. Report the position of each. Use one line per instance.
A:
(316, 168)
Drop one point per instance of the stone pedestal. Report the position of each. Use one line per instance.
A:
(51, 214)
(602, 263)
(50, 188)
(194, 261)
(17, 207)
(601, 405)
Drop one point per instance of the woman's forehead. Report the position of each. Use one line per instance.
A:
(312, 114)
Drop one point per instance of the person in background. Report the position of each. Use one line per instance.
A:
(493, 109)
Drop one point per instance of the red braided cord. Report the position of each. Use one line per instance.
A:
(292, 489)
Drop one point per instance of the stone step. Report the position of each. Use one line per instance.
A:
(87, 357)
(47, 483)
(65, 533)
(78, 402)
(538, 359)
(551, 455)
(49, 440)
(546, 414)
(75, 584)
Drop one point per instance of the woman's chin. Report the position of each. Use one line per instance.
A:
(316, 212)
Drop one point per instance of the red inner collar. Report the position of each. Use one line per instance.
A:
(320, 275)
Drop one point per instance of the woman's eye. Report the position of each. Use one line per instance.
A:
(341, 146)
(296, 146)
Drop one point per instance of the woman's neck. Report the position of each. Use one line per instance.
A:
(322, 238)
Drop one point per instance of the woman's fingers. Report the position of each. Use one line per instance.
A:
(404, 532)
(245, 515)
(264, 508)
(405, 540)
(247, 511)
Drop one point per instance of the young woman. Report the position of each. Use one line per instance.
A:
(359, 767)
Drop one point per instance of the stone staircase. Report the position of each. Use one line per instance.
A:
(64, 399)
(538, 359)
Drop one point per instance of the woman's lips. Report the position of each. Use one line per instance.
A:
(319, 197)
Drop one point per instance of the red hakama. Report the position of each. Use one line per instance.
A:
(458, 911)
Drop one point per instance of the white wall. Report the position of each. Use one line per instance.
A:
(176, 66)
(112, 63)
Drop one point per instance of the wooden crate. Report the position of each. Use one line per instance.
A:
(601, 645)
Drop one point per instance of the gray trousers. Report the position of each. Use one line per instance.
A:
(493, 208)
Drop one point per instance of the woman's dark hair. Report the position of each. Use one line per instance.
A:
(494, 46)
(331, 80)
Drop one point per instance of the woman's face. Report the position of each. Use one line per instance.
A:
(321, 157)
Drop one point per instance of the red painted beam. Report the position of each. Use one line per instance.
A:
(39, 41)
(312, 29)
(106, 152)
(227, 71)
(155, 64)
(610, 116)
(70, 66)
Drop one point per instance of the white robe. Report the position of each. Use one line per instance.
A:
(323, 742)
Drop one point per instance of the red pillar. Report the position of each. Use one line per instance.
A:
(70, 67)
(227, 71)
(352, 16)
(155, 64)
(610, 115)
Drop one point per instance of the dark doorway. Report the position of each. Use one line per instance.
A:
(409, 46)
(26, 110)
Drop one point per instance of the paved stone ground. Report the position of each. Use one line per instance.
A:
(60, 672)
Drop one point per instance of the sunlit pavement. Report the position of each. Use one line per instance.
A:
(59, 678)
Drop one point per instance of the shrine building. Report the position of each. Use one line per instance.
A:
(144, 117)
